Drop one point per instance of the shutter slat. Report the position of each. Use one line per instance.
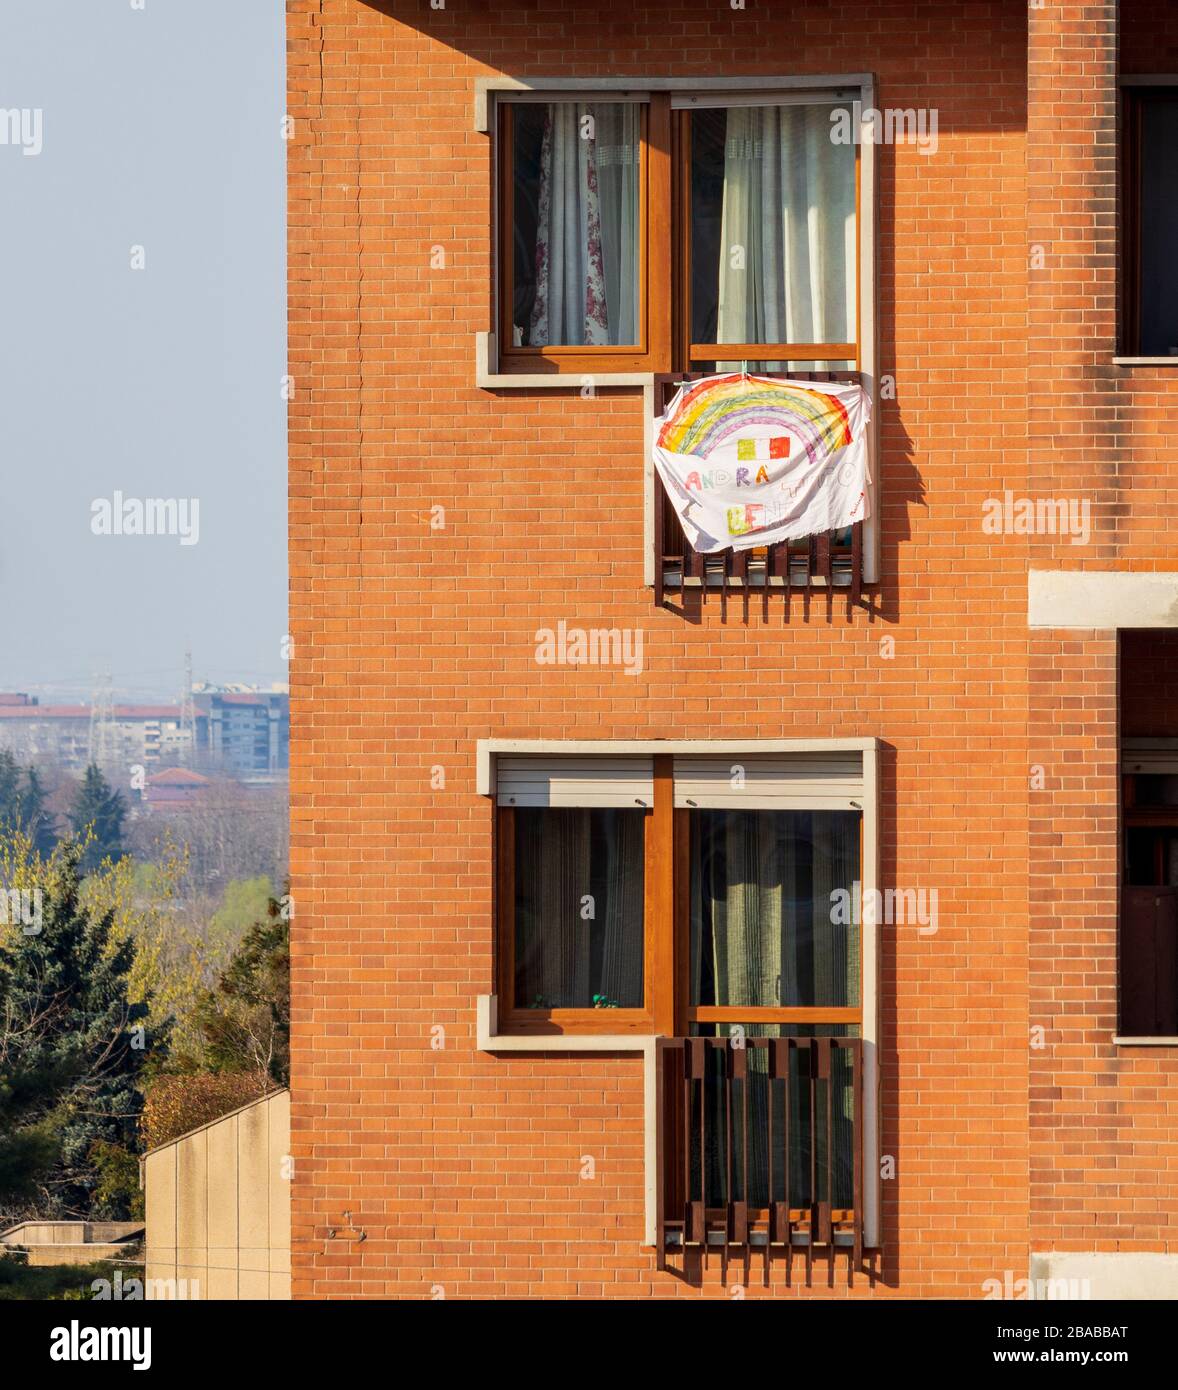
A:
(574, 781)
(767, 781)
(1158, 756)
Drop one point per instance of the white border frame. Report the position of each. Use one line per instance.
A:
(489, 1039)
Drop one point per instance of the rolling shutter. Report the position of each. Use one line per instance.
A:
(771, 781)
(574, 781)
(1157, 756)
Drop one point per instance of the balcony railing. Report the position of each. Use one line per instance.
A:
(761, 1145)
(828, 561)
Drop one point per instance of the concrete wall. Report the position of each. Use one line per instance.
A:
(1104, 1276)
(218, 1207)
(73, 1242)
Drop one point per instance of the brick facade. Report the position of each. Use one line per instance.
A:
(411, 643)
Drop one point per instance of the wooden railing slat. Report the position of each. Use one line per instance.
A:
(733, 566)
(692, 1069)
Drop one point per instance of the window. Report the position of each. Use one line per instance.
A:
(577, 250)
(770, 253)
(709, 906)
(664, 233)
(1150, 222)
(578, 908)
(680, 894)
(573, 893)
(768, 946)
(1149, 889)
(766, 933)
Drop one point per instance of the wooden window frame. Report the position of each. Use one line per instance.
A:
(703, 356)
(652, 352)
(667, 1010)
(664, 274)
(689, 1014)
(656, 1015)
(1134, 97)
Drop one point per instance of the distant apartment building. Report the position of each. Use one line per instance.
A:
(174, 788)
(240, 732)
(151, 736)
(244, 732)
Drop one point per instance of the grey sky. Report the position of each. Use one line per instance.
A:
(161, 127)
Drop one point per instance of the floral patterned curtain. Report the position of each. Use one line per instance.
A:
(587, 232)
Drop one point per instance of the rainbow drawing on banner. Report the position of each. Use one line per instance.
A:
(711, 413)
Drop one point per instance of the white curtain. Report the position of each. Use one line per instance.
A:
(787, 248)
(588, 222)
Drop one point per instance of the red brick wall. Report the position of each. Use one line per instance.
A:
(411, 643)
(1102, 1117)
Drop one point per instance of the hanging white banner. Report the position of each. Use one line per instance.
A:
(751, 460)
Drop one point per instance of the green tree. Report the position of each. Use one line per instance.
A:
(70, 1052)
(98, 813)
(22, 806)
(9, 790)
(244, 1020)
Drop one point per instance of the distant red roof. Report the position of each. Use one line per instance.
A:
(44, 711)
(177, 777)
(83, 711)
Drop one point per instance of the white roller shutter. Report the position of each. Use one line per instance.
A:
(574, 781)
(771, 781)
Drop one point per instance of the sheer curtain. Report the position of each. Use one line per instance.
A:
(564, 958)
(761, 909)
(588, 222)
(787, 247)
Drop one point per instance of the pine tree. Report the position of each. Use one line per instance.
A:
(23, 807)
(70, 1052)
(9, 790)
(99, 812)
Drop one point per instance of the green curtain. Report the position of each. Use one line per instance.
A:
(762, 935)
(762, 887)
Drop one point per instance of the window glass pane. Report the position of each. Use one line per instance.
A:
(773, 251)
(1156, 789)
(771, 907)
(1159, 226)
(577, 202)
(1151, 856)
(578, 908)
